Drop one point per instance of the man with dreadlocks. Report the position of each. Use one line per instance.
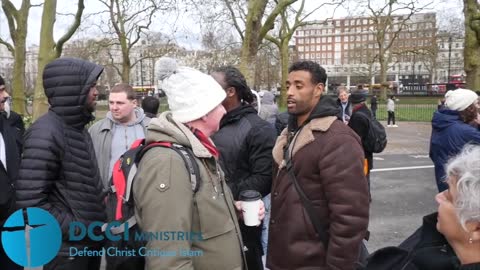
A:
(245, 142)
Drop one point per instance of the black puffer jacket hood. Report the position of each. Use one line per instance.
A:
(326, 106)
(67, 83)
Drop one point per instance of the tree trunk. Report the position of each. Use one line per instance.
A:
(126, 70)
(18, 83)
(46, 54)
(383, 78)
(247, 59)
(472, 47)
(284, 59)
(251, 40)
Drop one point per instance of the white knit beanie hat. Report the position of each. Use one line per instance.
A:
(460, 99)
(191, 94)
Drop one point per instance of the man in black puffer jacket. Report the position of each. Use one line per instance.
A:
(59, 172)
(245, 142)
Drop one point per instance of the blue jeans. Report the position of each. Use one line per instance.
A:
(266, 221)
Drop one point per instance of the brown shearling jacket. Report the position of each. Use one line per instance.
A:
(328, 163)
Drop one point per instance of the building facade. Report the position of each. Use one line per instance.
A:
(348, 49)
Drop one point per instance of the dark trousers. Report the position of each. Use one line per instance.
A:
(391, 117)
(74, 263)
(5, 262)
(374, 113)
(252, 239)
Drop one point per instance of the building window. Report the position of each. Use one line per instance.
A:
(324, 40)
(318, 47)
(300, 48)
(338, 39)
(300, 41)
(457, 45)
(329, 39)
(318, 40)
(419, 67)
(324, 47)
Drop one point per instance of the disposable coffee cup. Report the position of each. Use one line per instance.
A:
(251, 206)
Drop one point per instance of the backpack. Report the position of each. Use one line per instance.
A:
(376, 139)
(121, 205)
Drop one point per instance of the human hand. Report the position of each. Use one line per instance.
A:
(261, 212)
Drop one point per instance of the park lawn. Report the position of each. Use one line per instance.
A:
(409, 112)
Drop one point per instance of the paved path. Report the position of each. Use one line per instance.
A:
(403, 185)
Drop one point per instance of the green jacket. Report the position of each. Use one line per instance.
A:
(164, 201)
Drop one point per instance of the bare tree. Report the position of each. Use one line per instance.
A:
(17, 25)
(252, 20)
(285, 32)
(49, 49)
(471, 10)
(129, 21)
(387, 26)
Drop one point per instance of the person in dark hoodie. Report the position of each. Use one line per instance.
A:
(327, 161)
(360, 123)
(58, 171)
(9, 164)
(452, 127)
(245, 142)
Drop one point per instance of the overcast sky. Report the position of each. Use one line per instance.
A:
(185, 29)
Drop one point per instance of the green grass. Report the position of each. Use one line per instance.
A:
(409, 112)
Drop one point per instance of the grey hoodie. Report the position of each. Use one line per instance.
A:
(107, 133)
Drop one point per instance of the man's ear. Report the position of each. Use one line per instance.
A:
(318, 91)
(231, 92)
(473, 228)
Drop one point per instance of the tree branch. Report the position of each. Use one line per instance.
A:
(235, 23)
(8, 45)
(72, 29)
(269, 22)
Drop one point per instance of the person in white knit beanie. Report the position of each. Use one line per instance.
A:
(188, 195)
(191, 94)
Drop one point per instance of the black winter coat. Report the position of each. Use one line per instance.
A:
(425, 249)
(8, 175)
(245, 142)
(359, 122)
(59, 172)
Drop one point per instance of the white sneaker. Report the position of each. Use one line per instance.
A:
(389, 125)
(395, 126)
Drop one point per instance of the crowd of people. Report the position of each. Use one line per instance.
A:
(310, 165)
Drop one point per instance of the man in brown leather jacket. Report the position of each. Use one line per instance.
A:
(327, 161)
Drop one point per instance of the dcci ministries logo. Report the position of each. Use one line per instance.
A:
(31, 237)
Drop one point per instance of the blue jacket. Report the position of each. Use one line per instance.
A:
(449, 135)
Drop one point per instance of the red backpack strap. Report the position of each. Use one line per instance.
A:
(137, 143)
(118, 179)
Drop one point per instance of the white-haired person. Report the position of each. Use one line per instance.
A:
(452, 127)
(450, 238)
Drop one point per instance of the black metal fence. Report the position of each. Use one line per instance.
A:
(408, 112)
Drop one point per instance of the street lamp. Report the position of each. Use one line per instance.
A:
(449, 57)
